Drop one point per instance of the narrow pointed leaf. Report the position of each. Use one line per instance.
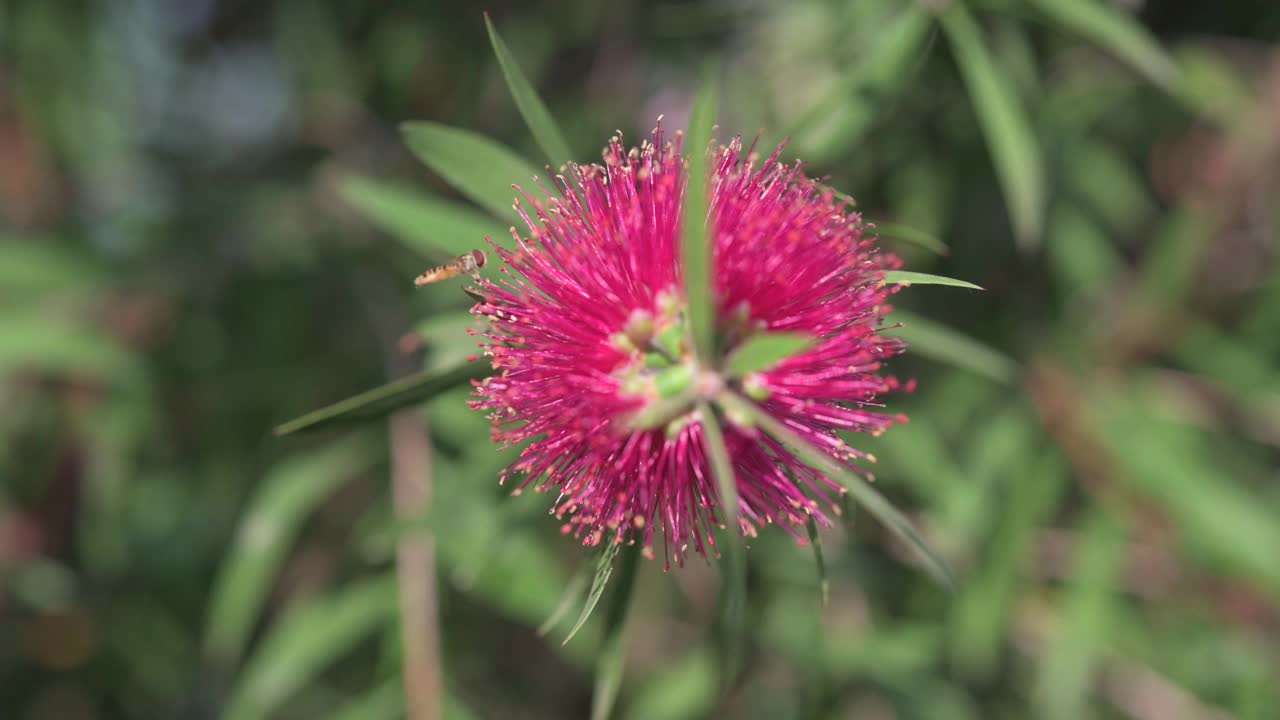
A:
(609, 666)
(383, 401)
(425, 224)
(815, 542)
(894, 231)
(572, 595)
(1119, 33)
(732, 601)
(941, 343)
(476, 166)
(531, 107)
(905, 277)
(1004, 123)
(306, 639)
(274, 516)
(696, 237)
(862, 492)
(764, 350)
(604, 568)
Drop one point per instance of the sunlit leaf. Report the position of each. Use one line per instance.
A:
(696, 238)
(1103, 23)
(306, 639)
(531, 107)
(478, 167)
(383, 401)
(895, 231)
(906, 277)
(428, 225)
(941, 343)
(273, 516)
(604, 568)
(764, 350)
(34, 265)
(1004, 123)
(865, 495)
(32, 341)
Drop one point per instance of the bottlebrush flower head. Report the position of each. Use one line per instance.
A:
(593, 367)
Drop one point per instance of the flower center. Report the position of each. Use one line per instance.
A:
(661, 367)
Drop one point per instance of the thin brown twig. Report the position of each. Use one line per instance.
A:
(416, 566)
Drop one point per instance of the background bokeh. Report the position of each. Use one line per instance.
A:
(209, 226)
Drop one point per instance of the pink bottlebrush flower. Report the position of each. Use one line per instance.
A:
(592, 365)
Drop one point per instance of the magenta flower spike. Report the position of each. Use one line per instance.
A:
(593, 369)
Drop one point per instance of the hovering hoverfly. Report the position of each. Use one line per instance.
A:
(468, 264)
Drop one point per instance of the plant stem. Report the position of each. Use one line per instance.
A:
(416, 566)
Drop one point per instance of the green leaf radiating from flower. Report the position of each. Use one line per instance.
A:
(815, 542)
(764, 350)
(572, 594)
(1004, 123)
(862, 492)
(382, 401)
(531, 107)
(609, 665)
(906, 277)
(604, 568)
(915, 236)
(425, 224)
(732, 601)
(476, 166)
(697, 237)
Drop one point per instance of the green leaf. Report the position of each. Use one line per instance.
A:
(572, 594)
(383, 401)
(30, 339)
(854, 103)
(862, 492)
(531, 107)
(1086, 623)
(604, 568)
(304, 640)
(894, 231)
(764, 350)
(1004, 123)
(815, 542)
(37, 265)
(426, 224)
(681, 690)
(610, 663)
(732, 602)
(939, 342)
(696, 238)
(273, 517)
(478, 167)
(905, 277)
(1117, 32)
(384, 701)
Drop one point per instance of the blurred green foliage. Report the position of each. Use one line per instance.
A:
(211, 221)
